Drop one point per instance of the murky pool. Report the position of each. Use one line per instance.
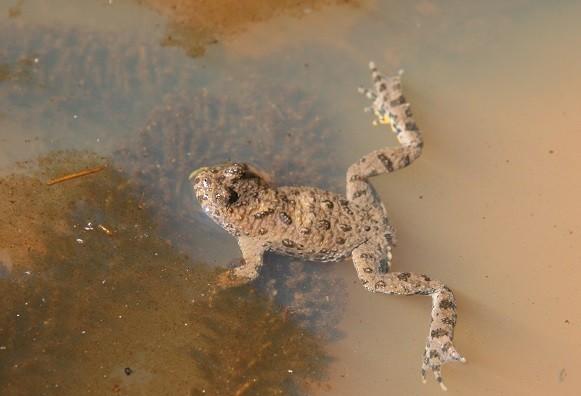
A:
(106, 279)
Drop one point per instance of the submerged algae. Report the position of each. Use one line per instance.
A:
(263, 124)
(195, 24)
(73, 77)
(82, 308)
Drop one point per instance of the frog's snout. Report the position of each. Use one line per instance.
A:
(196, 172)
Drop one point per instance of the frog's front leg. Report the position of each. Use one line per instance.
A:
(439, 348)
(252, 257)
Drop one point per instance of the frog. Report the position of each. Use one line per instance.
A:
(318, 225)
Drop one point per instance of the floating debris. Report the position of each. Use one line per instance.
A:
(105, 229)
(75, 175)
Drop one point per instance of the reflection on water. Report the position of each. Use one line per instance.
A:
(491, 207)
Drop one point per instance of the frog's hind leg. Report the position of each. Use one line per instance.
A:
(390, 107)
(439, 347)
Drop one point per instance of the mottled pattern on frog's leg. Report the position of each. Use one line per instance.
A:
(252, 254)
(439, 348)
(390, 107)
(385, 160)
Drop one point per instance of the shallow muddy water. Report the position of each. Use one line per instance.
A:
(106, 280)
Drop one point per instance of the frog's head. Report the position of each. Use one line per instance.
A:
(213, 186)
(224, 186)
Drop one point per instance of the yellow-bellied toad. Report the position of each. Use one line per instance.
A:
(314, 224)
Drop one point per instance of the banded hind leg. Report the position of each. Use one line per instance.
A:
(390, 107)
(368, 259)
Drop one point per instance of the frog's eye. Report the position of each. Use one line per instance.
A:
(235, 170)
(232, 196)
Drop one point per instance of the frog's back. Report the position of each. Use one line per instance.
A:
(310, 223)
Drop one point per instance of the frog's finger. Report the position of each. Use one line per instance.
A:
(368, 93)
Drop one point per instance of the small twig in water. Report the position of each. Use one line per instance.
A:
(75, 175)
(105, 229)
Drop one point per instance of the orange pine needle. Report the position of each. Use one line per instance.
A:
(75, 175)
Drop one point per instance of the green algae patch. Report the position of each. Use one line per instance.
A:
(123, 312)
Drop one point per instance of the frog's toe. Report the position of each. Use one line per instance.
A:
(368, 93)
(435, 356)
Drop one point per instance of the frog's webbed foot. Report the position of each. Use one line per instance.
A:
(438, 352)
(439, 347)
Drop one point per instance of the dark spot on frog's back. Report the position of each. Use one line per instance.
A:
(404, 276)
(288, 243)
(345, 206)
(285, 218)
(263, 213)
(324, 224)
(345, 227)
(328, 204)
